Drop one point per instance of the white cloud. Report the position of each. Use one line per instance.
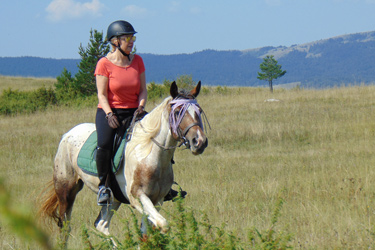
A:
(135, 11)
(70, 9)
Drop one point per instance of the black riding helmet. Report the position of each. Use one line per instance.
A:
(119, 28)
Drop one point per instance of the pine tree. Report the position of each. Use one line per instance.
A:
(271, 70)
(84, 80)
(64, 85)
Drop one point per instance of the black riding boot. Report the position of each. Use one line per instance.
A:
(172, 194)
(103, 164)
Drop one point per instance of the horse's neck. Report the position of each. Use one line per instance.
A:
(152, 136)
(165, 138)
(158, 157)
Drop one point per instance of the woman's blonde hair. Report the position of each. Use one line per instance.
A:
(112, 42)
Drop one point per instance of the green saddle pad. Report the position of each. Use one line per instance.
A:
(86, 157)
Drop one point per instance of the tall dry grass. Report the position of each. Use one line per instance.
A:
(314, 149)
(25, 83)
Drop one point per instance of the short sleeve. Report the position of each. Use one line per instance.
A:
(101, 68)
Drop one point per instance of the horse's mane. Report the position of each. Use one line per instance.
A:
(151, 125)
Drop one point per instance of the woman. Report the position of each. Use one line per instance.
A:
(121, 86)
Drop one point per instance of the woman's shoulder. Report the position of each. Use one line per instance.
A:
(103, 59)
(105, 62)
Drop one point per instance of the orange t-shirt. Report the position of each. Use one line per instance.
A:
(123, 82)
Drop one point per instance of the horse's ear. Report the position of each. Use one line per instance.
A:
(174, 90)
(196, 90)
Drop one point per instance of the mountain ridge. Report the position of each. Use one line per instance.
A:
(341, 60)
(280, 51)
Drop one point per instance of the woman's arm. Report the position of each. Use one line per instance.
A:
(143, 90)
(102, 86)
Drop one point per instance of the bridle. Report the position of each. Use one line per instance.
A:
(175, 118)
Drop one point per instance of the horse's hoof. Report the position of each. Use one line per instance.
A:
(144, 238)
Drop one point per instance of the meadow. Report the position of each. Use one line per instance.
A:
(24, 83)
(313, 149)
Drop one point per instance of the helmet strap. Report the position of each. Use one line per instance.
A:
(124, 53)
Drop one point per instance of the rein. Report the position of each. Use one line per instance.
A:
(158, 144)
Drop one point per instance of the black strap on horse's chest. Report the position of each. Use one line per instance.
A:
(127, 127)
(116, 190)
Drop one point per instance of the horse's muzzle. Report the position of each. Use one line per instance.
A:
(198, 145)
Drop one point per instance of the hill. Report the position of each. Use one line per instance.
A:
(27, 66)
(337, 61)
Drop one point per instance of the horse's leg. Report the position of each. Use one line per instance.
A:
(145, 221)
(104, 218)
(147, 207)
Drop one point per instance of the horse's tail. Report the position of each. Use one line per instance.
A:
(49, 204)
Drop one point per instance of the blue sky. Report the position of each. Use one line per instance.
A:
(55, 28)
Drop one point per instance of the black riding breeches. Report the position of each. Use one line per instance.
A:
(106, 134)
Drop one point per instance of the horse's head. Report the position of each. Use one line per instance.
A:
(185, 119)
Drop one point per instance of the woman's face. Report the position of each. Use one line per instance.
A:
(127, 43)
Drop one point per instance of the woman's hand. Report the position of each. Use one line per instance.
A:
(140, 110)
(112, 120)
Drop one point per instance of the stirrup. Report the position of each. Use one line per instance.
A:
(103, 191)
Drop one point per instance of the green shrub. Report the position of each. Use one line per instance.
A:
(186, 232)
(156, 91)
(185, 82)
(16, 102)
(189, 232)
(270, 238)
(221, 90)
(65, 89)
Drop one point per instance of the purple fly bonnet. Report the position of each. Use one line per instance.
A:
(175, 121)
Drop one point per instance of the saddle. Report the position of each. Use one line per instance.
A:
(87, 155)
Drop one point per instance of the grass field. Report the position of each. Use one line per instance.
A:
(23, 83)
(313, 148)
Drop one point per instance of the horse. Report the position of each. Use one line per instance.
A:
(146, 175)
